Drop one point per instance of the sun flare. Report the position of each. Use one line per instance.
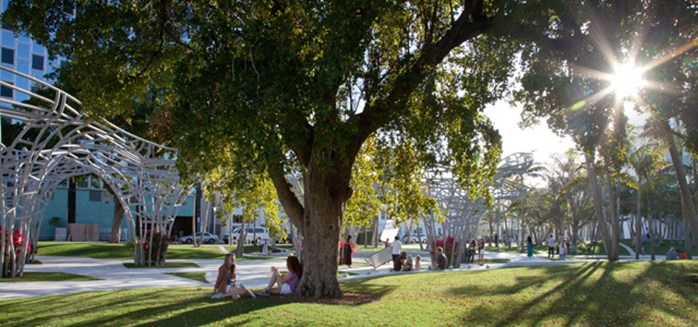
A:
(626, 80)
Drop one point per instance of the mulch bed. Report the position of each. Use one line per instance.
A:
(346, 299)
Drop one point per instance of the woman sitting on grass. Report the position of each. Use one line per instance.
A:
(288, 283)
(406, 261)
(225, 282)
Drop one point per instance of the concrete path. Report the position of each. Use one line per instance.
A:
(252, 273)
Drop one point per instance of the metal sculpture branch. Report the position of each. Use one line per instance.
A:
(55, 142)
(462, 213)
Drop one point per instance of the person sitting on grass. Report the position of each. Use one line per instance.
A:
(417, 263)
(225, 282)
(288, 283)
(406, 261)
(682, 255)
(441, 262)
(672, 255)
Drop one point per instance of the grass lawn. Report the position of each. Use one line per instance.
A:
(660, 249)
(197, 276)
(47, 277)
(167, 265)
(589, 294)
(99, 250)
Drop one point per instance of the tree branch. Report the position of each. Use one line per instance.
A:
(470, 24)
(292, 206)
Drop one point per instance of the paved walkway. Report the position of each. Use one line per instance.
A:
(251, 273)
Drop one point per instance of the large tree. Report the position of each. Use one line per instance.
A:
(299, 86)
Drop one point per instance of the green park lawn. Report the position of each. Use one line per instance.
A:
(197, 276)
(45, 277)
(660, 248)
(589, 294)
(168, 264)
(99, 250)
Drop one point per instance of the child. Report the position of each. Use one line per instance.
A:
(417, 262)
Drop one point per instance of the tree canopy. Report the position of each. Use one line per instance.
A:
(274, 87)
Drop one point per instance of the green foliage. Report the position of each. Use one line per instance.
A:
(364, 203)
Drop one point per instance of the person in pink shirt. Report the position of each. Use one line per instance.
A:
(286, 284)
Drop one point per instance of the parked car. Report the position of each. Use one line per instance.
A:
(208, 238)
(260, 233)
(415, 236)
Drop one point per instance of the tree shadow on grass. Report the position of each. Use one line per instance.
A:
(159, 307)
(590, 294)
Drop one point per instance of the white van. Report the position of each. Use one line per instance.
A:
(251, 233)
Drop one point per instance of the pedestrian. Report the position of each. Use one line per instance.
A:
(471, 251)
(346, 252)
(529, 247)
(562, 248)
(551, 247)
(645, 239)
(397, 246)
(481, 251)
(387, 242)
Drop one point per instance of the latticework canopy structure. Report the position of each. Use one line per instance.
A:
(56, 142)
(463, 213)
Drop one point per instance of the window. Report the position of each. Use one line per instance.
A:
(38, 62)
(8, 56)
(7, 27)
(95, 196)
(6, 91)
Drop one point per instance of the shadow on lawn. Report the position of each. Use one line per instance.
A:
(589, 294)
(147, 307)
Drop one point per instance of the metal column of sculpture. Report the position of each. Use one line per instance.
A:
(53, 141)
(462, 213)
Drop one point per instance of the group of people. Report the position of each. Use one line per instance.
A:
(476, 247)
(563, 247)
(676, 254)
(226, 285)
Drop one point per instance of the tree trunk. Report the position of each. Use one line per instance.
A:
(613, 215)
(688, 207)
(638, 226)
(598, 204)
(322, 221)
(115, 236)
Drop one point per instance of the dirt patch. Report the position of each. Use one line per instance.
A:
(346, 299)
(693, 279)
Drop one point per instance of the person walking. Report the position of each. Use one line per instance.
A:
(481, 251)
(551, 247)
(529, 247)
(397, 247)
(562, 249)
(347, 250)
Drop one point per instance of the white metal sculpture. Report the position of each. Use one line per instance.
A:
(56, 142)
(463, 214)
